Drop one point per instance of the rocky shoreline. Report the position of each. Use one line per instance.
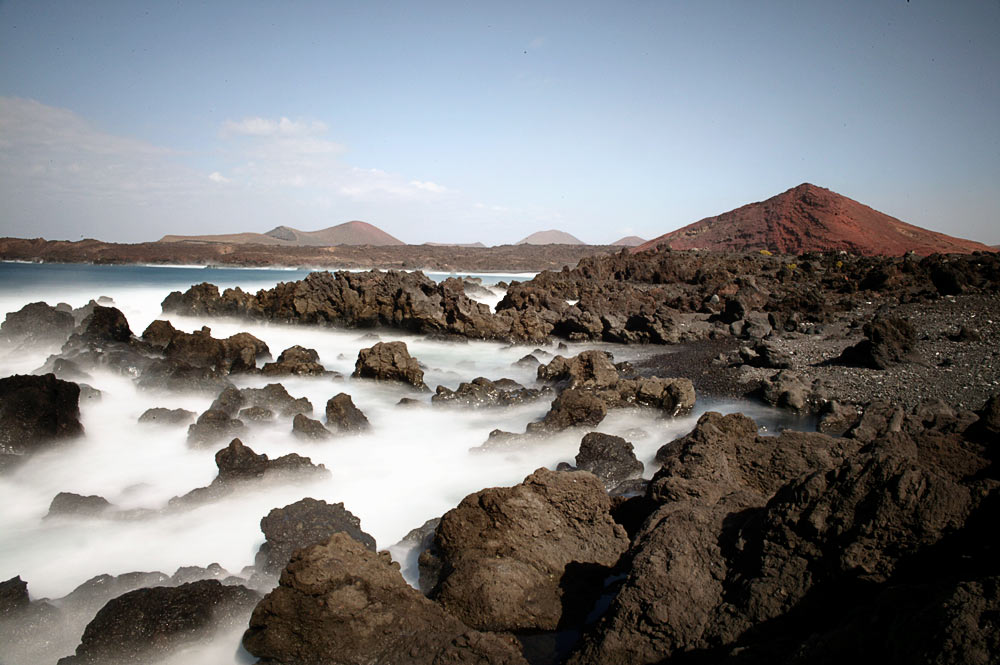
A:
(871, 539)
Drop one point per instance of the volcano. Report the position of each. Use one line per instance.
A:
(809, 218)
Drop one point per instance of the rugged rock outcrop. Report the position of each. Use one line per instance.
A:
(162, 416)
(68, 503)
(238, 353)
(295, 360)
(238, 465)
(889, 342)
(150, 623)
(481, 392)
(213, 426)
(610, 458)
(305, 427)
(340, 602)
(343, 417)
(526, 557)
(389, 361)
(759, 540)
(303, 523)
(36, 411)
(37, 323)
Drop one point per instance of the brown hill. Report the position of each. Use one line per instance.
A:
(629, 241)
(550, 237)
(811, 218)
(349, 233)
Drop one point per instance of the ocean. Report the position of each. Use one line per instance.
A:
(414, 464)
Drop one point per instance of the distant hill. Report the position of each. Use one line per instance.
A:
(811, 218)
(454, 244)
(551, 237)
(349, 233)
(629, 241)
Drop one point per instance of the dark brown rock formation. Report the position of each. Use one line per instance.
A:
(339, 602)
(389, 361)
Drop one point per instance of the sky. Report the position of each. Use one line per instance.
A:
(485, 122)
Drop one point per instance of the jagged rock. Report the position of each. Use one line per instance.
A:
(389, 361)
(303, 523)
(239, 464)
(837, 418)
(787, 389)
(68, 503)
(213, 426)
(573, 407)
(13, 596)
(528, 556)
(610, 458)
(360, 610)
(590, 369)
(161, 416)
(36, 411)
(295, 360)
(305, 427)
(890, 341)
(275, 397)
(344, 417)
(105, 324)
(256, 414)
(715, 563)
(235, 354)
(37, 323)
(481, 392)
(145, 624)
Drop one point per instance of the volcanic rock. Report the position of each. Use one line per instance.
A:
(360, 610)
(301, 524)
(13, 596)
(35, 411)
(37, 323)
(305, 427)
(389, 361)
(343, 417)
(239, 464)
(295, 360)
(521, 557)
(590, 369)
(146, 624)
(573, 407)
(161, 416)
(889, 342)
(213, 426)
(610, 458)
(68, 503)
(105, 324)
(481, 392)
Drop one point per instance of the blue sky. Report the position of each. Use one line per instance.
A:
(486, 122)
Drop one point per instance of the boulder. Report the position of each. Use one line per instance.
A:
(481, 392)
(275, 397)
(239, 464)
(105, 324)
(890, 342)
(211, 427)
(36, 411)
(303, 523)
(590, 369)
(573, 407)
(37, 323)
(13, 596)
(161, 416)
(343, 417)
(356, 608)
(389, 361)
(526, 557)
(610, 458)
(147, 624)
(297, 361)
(305, 427)
(68, 503)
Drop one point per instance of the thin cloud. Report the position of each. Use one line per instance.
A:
(268, 127)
